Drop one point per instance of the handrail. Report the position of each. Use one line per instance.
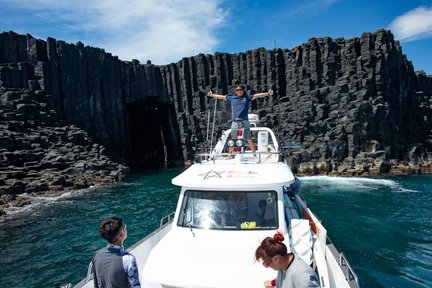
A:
(90, 272)
(259, 156)
(343, 261)
(166, 220)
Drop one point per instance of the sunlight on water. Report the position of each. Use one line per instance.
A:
(381, 224)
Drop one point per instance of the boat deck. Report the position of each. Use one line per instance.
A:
(245, 171)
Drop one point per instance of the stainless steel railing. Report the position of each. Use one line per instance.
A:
(350, 275)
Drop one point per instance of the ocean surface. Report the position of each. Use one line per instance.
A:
(383, 225)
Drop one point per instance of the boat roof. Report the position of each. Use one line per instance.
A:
(228, 175)
(262, 169)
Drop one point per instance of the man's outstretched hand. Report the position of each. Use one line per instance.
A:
(270, 92)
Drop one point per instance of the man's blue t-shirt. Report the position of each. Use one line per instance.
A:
(239, 106)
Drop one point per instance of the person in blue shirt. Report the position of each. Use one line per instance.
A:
(240, 107)
(112, 265)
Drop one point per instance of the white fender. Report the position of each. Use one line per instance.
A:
(301, 239)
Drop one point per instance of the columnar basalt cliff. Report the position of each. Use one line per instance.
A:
(356, 107)
(71, 116)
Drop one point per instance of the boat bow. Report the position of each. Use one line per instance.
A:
(208, 259)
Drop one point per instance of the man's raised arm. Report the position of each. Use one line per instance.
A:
(262, 95)
(217, 96)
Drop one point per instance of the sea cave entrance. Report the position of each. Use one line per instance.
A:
(153, 136)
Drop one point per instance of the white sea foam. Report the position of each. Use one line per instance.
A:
(355, 183)
(44, 200)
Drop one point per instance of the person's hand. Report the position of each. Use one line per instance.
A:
(268, 284)
(210, 93)
(270, 92)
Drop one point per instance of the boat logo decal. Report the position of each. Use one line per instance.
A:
(212, 174)
(228, 174)
(241, 174)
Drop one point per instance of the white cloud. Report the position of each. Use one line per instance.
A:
(162, 31)
(311, 8)
(413, 25)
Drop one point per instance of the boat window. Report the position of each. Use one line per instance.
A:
(226, 210)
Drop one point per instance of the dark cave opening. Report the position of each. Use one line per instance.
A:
(154, 140)
(146, 146)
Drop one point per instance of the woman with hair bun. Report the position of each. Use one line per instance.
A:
(293, 272)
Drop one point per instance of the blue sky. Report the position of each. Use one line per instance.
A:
(164, 31)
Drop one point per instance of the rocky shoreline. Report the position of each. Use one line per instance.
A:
(20, 186)
(59, 167)
(74, 116)
(371, 164)
(384, 168)
(43, 156)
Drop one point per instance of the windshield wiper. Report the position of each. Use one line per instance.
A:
(187, 222)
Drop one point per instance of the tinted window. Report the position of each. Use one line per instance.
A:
(229, 210)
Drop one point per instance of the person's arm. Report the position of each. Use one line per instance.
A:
(262, 95)
(131, 269)
(217, 96)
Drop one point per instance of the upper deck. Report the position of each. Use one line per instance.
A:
(228, 175)
(264, 169)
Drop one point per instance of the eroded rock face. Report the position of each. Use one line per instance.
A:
(74, 116)
(356, 106)
(41, 154)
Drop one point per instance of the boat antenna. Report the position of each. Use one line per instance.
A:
(279, 129)
(214, 119)
(208, 124)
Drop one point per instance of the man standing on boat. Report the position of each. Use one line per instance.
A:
(112, 265)
(240, 108)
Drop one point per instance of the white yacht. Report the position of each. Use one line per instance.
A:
(228, 203)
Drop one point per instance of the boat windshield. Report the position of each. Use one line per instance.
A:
(225, 210)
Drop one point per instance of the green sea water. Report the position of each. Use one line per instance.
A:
(383, 225)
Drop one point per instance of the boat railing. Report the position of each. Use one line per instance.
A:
(350, 275)
(89, 276)
(244, 157)
(166, 220)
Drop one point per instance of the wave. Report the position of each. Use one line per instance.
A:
(44, 200)
(355, 183)
(50, 198)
